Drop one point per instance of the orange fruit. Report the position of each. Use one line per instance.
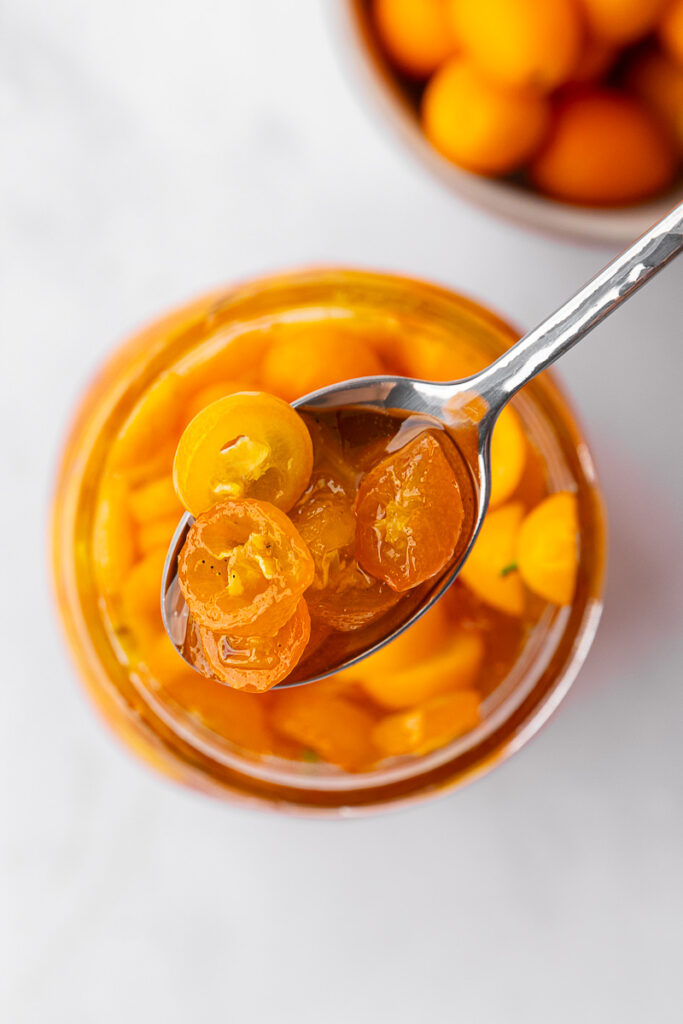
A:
(246, 445)
(622, 21)
(671, 30)
(479, 125)
(429, 726)
(416, 34)
(522, 44)
(548, 548)
(658, 81)
(491, 568)
(303, 362)
(605, 148)
(243, 568)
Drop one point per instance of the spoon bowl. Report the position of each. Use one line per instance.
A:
(451, 405)
(466, 408)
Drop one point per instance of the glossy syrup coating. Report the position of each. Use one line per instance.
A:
(409, 514)
(243, 568)
(395, 704)
(244, 445)
(254, 663)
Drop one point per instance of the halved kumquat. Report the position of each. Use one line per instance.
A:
(246, 445)
(491, 569)
(243, 568)
(548, 548)
(256, 663)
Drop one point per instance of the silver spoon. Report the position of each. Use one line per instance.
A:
(495, 386)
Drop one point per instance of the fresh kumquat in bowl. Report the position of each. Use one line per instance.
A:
(312, 533)
(556, 105)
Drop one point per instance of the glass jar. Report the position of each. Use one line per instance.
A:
(170, 739)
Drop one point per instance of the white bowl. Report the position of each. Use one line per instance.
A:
(515, 202)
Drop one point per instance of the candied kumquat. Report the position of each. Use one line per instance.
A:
(622, 21)
(411, 647)
(154, 501)
(163, 661)
(409, 515)
(335, 728)
(158, 533)
(508, 456)
(342, 595)
(523, 44)
(239, 717)
(141, 594)
(243, 568)
(548, 548)
(453, 665)
(113, 544)
(256, 663)
(479, 124)
(436, 359)
(153, 419)
(209, 394)
(300, 363)
(417, 34)
(491, 569)
(429, 726)
(605, 148)
(244, 445)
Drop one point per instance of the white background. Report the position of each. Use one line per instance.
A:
(151, 150)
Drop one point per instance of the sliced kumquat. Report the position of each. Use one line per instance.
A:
(416, 644)
(435, 359)
(209, 394)
(256, 663)
(301, 363)
(332, 726)
(508, 456)
(429, 726)
(141, 594)
(154, 501)
(149, 425)
(491, 569)
(245, 445)
(454, 665)
(237, 717)
(155, 534)
(164, 663)
(548, 548)
(113, 544)
(243, 568)
(342, 595)
(409, 514)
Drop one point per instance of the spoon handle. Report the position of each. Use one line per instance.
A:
(596, 300)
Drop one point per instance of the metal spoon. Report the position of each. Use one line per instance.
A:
(494, 387)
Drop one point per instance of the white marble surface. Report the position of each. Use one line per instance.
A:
(149, 151)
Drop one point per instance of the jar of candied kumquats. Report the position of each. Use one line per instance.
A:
(462, 689)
